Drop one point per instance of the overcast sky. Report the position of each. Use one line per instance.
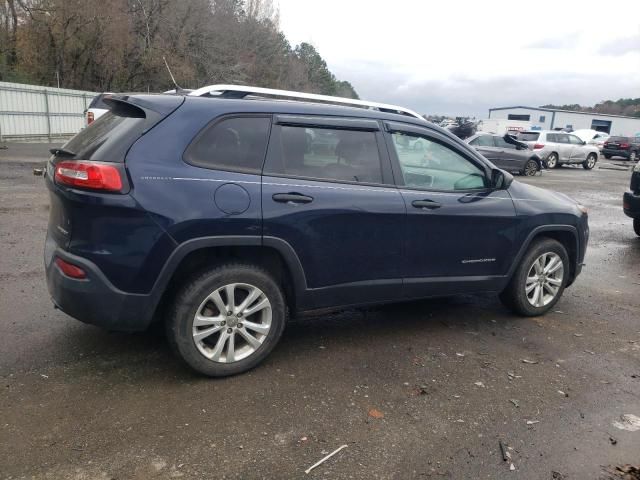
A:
(463, 57)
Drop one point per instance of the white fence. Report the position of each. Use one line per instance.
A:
(34, 113)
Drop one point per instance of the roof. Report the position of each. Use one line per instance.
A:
(564, 111)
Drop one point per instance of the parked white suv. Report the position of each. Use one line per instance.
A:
(557, 148)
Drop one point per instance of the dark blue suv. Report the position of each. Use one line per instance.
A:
(221, 216)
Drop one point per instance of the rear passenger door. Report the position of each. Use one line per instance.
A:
(564, 147)
(511, 159)
(328, 193)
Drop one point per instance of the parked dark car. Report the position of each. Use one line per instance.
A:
(507, 153)
(626, 147)
(631, 199)
(220, 217)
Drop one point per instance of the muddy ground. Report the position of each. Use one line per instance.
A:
(446, 378)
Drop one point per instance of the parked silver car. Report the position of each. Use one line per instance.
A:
(557, 148)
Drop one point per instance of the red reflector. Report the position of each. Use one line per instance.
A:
(538, 146)
(97, 176)
(90, 118)
(69, 269)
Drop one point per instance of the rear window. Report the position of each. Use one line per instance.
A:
(107, 139)
(235, 144)
(528, 136)
(619, 139)
(98, 102)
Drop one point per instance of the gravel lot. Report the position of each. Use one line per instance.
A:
(418, 390)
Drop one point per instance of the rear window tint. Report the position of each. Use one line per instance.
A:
(619, 139)
(235, 144)
(330, 154)
(107, 139)
(528, 136)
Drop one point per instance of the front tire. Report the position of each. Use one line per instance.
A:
(226, 320)
(540, 279)
(552, 160)
(590, 162)
(636, 226)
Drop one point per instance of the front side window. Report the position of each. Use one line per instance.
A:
(330, 154)
(235, 144)
(427, 164)
(501, 143)
(575, 140)
(483, 141)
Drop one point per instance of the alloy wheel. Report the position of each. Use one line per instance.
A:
(232, 322)
(530, 168)
(552, 160)
(591, 161)
(544, 279)
(632, 156)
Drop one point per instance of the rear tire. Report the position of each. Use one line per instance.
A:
(539, 280)
(530, 168)
(636, 226)
(590, 162)
(210, 339)
(552, 160)
(608, 157)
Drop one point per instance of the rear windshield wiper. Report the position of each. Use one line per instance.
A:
(62, 151)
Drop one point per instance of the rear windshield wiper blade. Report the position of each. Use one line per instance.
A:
(62, 151)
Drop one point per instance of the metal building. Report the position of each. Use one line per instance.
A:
(549, 119)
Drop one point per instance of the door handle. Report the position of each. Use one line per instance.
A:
(426, 204)
(292, 197)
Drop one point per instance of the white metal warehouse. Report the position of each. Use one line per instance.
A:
(548, 119)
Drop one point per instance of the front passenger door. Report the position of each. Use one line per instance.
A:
(459, 231)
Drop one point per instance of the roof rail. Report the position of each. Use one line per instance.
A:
(241, 91)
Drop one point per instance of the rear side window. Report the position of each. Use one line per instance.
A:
(235, 144)
(562, 138)
(552, 137)
(330, 154)
(528, 136)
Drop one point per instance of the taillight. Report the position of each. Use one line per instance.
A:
(93, 175)
(90, 118)
(606, 144)
(624, 145)
(69, 269)
(538, 146)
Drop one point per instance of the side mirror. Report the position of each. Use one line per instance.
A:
(584, 142)
(500, 179)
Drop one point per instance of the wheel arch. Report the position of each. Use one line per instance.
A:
(567, 235)
(272, 254)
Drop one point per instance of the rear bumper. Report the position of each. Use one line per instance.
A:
(94, 299)
(615, 152)
(631, 204)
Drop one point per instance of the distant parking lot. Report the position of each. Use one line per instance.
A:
(418, 390)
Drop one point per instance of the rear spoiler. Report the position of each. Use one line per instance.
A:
(138, 106)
